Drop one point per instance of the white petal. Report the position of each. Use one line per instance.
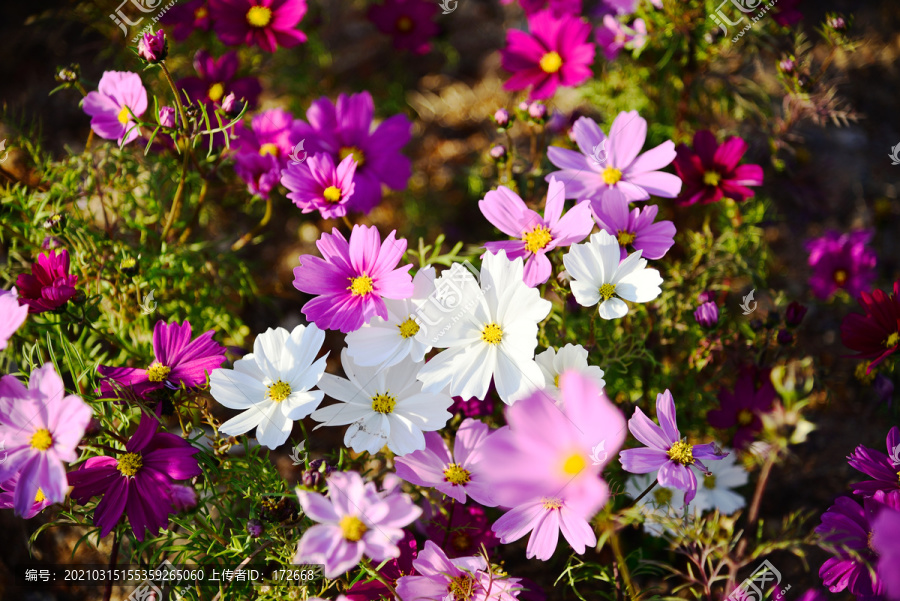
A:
(235, 390)
(613, 308)
(641, 286)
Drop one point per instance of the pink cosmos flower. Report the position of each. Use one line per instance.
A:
(216, 79)
(462, 532)
(613, 163)
(109, 106)
(614, 35)
(410, 22)
(41, 427)
(711, 172)
(841, 261)
(400, 566)
(536, 236)
(557, 7)
(743, 407)
(666, 451)
(634, 228)
(259, 172)
(545, 517)
(153, 47)
(883, 468)
(12, 315)
(352, 279)
(49, 286)
(8, 494)
(264, 23)
(354, 520)
(317, 185)
(556, 53)
(454, 476)
(885, 538)
(187, 18)
(262, 150)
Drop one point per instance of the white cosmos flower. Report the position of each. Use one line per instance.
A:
(714, 492)
(273, 384)
(572, 357)
(383, 406)
(490, 332)
(386, 343)
(664, 504)
(597, 275)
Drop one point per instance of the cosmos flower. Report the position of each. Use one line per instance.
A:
(883, 468)
(557, 7)
(613, 162)
(752, 396)
(383, 406)
(187, 18)
(216, 79)
(536, 235)
(264, 23)
(317, 185)
(635, 227)
(393, 570)
(456, 476)
(665, 451)
(886, 542)
(262, 149)
(572, 357)
(8, 494)
(597, 276)
(707, 314)
(556, 53)
(273, 385)
(710, 171)
(352, 279)
(49, 286)
(117, 93)
(354, 520)
(841, 261)
(463, 530)
(715, 490)
(846, 525)
(786, 13)
(346, 128)
(875, 335)
(41, 427)
(153, 47)
(409, 22)
(613, 35)
(660, 506)
(12, 315)
(139, 481)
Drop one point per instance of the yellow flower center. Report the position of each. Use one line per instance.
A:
(124, 116)
(573, 464)
(537, 239)
(462, 588)
(456, 475)
(709, 482)
(492, 334)
(711, 178)
(556, 380)
(625, 238)
(611, 176)
(408, 328)
(332, 194)
(607, 291)
(681, 452)
(41, 440)
(862, 376)
(360, 286)
(892, 340)
(279, 391)
(551, 62)
(201, 13)
(352, 528)
(383, 403)
(158, 372)
(404, 24)
(259, 16)
(216, 91)
(840, 276)
(662, 496)
(551, 503)
(40, 496)
(127, 263)
(346, 151)
(461, 542)
(269, 148)
(744, 417)
(130, 464)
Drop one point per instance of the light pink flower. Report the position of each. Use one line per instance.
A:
(12, 315)
(109, 106)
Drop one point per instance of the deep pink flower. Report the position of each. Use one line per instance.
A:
(711, 172)
(875, 335)
(352, 279)
(785, 13)
(262, 150)
(393, 570)
(707, 314)
(259, 172)
(753, 395)
(410, 22)
(153, 47)
(882, 467)
(462, 531)
(614, 35)
(473, 407)
(634, 227)
(12, 315)
(536, 235)
(886, 542)
(557, 7)
(556, 53)
(264, 23)
(841, 261)
(49, 286)
(186, 18)
(117, 92)
(317, 185)
(216, 79)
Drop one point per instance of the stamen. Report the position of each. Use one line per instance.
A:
(352, 528)
(456, 475)
(362, 285)
(130, 464)
(607, 291)
(492, 334)
(383, 403)
(259, 16)
(551, 62)
(279, 391)
(611, 176)
(157, 372)
(41, 440)
(537, 239)
(681, 452)
(408, 328)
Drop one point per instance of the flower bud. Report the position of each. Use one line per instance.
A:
(68, 74)
(255, 528)
(794, 314)
(707, 314)
(537, 111)
(502, 118)
(153, 47)
(167, 116)
(498, 153)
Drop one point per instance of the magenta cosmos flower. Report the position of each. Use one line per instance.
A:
(786, 13)
(109, 106)
(264, 23)
(462, 531)
(317, 185)
(216, 79)
(346, 128)
(886, 542)
(875, 335)
(456, 476)
(557, 7)
(8, 494)
(12, 315)
(614, 35)
(753, 395)
(139, 482)
(841, 261)
(262, 150)
(882, 467)
(177, 361)
(711, 172)
(634, 228)
(536, 235)
(354, 520)
(352, 279)
(49, 286)
(41, 427)
(613, 163)
(556, 53)
(409, 22)
(393, 570)
(666, 451)
(186, 18)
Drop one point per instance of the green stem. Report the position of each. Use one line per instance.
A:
(259, 226)
(176, 203)
(181, 112)
(113, 558)
(368, 568)
(623, 565)
(644, 494)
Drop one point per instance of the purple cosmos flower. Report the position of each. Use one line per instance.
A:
(153, 47)
(875, 335)
(216, 79)
(454, 476)
(186, 18)
(462, 532)
(473, 407)
(536, 236)
(345, 129)
(707, 314)
(846, 524)
(410, 22)
(614, 35)
(795, 314)
(7, 498)
(883, 468)
(556, 53)
(263, 149)
(49, 286)
(634, 228)
(616, 7)
(117, 93)
(711, 172)
(317, 185)
(139, 481)
(264, 23)
(612, 163)
(41, 428)
(752, 396)
(375, 590)
(12, 315)
(814, 595)
(177, 361)
(841, 261)
(666, 451)
(259, 172)
(786, 14)
(354, 520)
(886, 542)
(352, 278)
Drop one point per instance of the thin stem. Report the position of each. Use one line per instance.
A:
(347, 222)
(620, 560)
(449, 524)
(368, 568)
(258, 228)
(113, 558)
(195, 218)
(176, 203)
(753, 512)
(242, 564)
(643, 494)
(181, 112)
